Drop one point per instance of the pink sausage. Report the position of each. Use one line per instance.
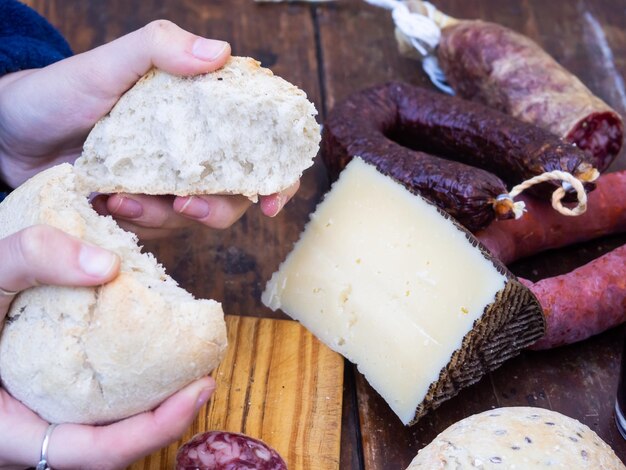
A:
(542, 228)
(584, 302)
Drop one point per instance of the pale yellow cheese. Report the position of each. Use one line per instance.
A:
(380, 276)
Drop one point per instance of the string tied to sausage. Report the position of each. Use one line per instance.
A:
(418, 27)
(505, 202)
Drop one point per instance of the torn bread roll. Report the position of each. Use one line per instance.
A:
(98, 354)
(238, 130)
(522, 437)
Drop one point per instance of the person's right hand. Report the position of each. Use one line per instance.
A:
(45, 255)
(46, 114)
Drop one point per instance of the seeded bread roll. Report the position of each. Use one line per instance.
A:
(238, 130)
(522, 438)
(98, 354)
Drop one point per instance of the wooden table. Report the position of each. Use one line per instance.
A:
(331, 50)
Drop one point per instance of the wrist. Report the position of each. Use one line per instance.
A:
(5, 118)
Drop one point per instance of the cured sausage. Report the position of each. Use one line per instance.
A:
(357, 127)
(542, 228)
(584, 302)
(479, 136)
(218, 450)
(494, 65)
(395, 126)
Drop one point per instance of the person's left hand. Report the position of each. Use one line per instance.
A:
(41, 255)
(46, 114)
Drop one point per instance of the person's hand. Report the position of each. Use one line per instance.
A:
(46, 114)
(156, 216)
(45, 255)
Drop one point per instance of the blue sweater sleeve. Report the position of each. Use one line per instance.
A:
(27, 41)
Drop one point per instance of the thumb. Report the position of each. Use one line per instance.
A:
(132, 438)
(45, 255)
(75, 92)
(114, 67)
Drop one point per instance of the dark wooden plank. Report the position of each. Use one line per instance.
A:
(358, 50)
(387, 443)
(578, 380)
(351, 445)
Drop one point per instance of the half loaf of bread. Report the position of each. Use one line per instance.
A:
(238, 130)
(96, 355)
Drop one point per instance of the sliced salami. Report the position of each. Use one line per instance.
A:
(220, 450)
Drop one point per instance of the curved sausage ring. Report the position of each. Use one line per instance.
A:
(400, 128)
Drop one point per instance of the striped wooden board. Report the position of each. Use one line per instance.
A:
(279, 384)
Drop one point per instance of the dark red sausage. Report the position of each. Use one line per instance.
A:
(359, 127)
(542, 228)
(584, 302)
(494, 65)
(482, 137)
(218, 450)
(397, 126)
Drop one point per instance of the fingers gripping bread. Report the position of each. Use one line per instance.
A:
(96, 355)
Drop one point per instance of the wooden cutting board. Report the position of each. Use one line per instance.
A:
(278, 383)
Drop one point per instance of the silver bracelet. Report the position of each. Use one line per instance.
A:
(43, 460)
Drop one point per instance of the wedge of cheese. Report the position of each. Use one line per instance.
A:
(385, 278)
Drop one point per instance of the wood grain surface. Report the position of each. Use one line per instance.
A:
(332, 50)
(279, 384)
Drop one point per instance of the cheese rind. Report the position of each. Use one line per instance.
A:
(382, 277)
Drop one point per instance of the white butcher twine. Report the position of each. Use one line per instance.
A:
(423, 32)
(569, 181)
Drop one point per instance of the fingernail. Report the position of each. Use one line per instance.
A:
(99, 204)
(196, 208)
(95, 261)
(208, 49)
(203, 397)
(280, 201)
(128, 208)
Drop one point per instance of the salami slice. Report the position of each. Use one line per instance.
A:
(219, 450)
